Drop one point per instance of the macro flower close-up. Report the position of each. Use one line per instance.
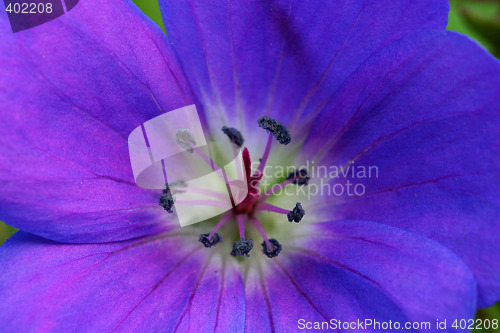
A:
(366, 139)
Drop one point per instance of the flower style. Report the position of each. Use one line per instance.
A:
(373, 83)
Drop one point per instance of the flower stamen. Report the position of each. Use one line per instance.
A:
(242, 247)
(299, 177)
(296, 214)
(234, 135)
(185, 139)
(167, 199)
(210, 240)
(276, 128)
(276, 248)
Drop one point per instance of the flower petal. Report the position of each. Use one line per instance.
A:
(246, 59)
(72, 91)
(358, 270)
(424, 111)
(160, 283)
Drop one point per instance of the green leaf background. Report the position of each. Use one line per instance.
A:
(479, 19)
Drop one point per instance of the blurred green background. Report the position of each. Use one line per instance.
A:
(479, 19)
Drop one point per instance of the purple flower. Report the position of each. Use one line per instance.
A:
(354, 83)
